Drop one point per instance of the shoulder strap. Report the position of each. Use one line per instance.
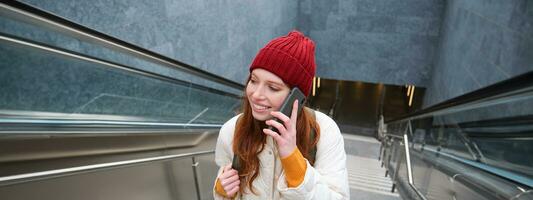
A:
(312, 135)
(235, 164)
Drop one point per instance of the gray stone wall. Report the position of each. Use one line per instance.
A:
(482, 43)
(450, 47)
(378, 41)
(221, 37)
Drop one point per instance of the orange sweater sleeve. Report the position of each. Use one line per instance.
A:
(219, 189)
(295, 167)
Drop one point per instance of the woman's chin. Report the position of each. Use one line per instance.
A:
(261, 116)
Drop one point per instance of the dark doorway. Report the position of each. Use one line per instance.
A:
(356, 105)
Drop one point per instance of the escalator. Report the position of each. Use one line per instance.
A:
(475, 146)
(84, 115)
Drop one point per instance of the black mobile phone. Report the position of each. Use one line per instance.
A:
(286, 107)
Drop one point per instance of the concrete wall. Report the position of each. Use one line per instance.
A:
(221, 37)
(379, 41)
(482, 42)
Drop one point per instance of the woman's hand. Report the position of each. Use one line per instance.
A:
(229, 179)
(286, 139)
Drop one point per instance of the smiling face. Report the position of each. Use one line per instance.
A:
(266, 92)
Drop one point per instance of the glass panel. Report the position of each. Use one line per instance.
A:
(509, 153)
(36, 80)
(96, 80)
(207, 174)
(494, 135)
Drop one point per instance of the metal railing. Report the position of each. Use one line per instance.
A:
(404, 155)
(71, 123)
(56, 173)
(520, 87)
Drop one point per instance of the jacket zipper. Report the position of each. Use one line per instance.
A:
(274, 153)
(273, 178)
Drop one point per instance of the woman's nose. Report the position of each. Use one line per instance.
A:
(258, 93)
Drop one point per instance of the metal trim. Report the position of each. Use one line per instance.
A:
(43, 175)
(93, 123)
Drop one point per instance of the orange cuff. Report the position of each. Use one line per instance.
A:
(219, 189)
(295, 167)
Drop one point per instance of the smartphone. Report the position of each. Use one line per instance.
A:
(286, 107)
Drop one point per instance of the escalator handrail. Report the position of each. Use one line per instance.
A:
(64, 52)
(43, 175)
(512, 84)
(33, 123)
(92, 35)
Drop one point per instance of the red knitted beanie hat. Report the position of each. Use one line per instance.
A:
(292, 58)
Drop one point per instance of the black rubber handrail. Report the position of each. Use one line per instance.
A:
(45, 47)
(512, 84)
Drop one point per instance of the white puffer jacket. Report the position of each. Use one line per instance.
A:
(327, 179)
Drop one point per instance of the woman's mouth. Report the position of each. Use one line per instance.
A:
(259, 108)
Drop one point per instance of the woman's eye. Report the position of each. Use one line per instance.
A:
(274, 88)
(252, 81)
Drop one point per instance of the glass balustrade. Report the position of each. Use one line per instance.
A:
(52, 72)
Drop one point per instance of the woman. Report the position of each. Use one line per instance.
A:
(281, 165)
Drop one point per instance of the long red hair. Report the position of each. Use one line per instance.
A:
(249, 140)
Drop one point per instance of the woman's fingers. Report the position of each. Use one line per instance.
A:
(232, 185)
(228, 181)
(277, 125)
(294, 114)
(286, 139)
(280, 116)
(274, 135)
(228, 173)
(232, 192)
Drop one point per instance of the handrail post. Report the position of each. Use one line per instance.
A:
(195, 173)
(391, 154)
(407, 157)
(396, 171)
